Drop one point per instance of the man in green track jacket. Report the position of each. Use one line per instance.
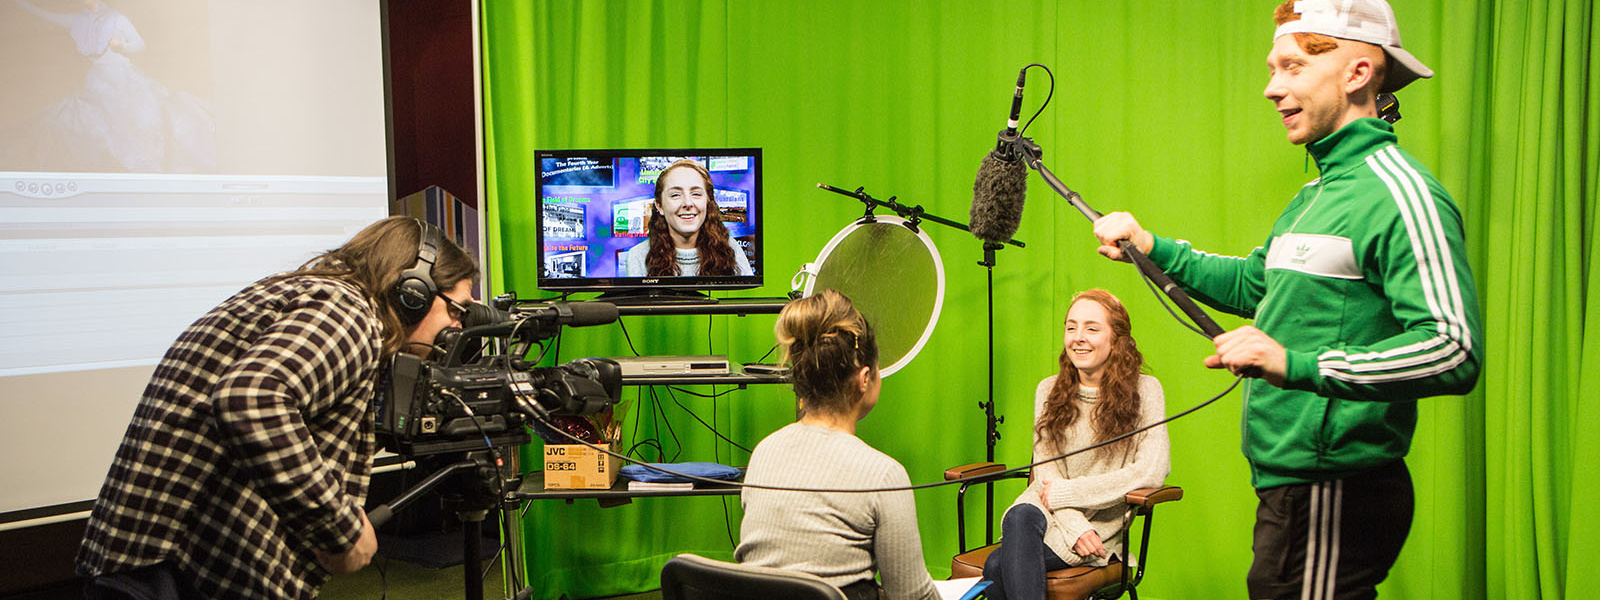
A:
(1363, 302)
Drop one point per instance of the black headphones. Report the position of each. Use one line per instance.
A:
(413, 294)
(1388, 107)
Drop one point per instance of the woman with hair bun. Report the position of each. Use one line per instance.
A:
(1073, 511)
(844, 538)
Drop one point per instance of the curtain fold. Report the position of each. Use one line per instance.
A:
(1538, 202)
(1157, 111)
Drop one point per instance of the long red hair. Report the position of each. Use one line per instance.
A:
(1117, 410)
(716, 253)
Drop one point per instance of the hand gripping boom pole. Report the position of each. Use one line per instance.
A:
(1033, 155)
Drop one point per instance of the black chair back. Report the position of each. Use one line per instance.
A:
(690, 577)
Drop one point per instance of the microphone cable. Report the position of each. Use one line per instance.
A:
(739, 484)
(1163, 299)
(1049, 93)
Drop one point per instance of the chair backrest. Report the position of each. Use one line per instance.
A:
(690, 577)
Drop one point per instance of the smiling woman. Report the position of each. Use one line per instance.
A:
(1071, 513)
(687, 237)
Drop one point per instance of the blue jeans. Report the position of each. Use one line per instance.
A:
(1018, 566)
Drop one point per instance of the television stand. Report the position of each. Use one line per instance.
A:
(690, 304)
(654, 297)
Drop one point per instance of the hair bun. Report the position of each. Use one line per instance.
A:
(826, 343)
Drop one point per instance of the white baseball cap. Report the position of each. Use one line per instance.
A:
(1370, 21)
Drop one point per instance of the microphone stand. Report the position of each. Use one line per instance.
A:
(1033, 155)
(915, 214)
(991, 422)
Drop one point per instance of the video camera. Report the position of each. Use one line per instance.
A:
(481, 391)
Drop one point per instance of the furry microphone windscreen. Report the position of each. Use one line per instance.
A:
(997, 196)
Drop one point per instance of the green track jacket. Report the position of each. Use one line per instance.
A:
(1364, 282)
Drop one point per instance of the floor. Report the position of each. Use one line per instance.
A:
(406, 581)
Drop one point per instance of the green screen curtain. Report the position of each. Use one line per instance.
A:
(1156, 110)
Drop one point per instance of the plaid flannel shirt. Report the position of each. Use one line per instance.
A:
(251, 447)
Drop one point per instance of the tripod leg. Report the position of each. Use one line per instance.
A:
(472, 551)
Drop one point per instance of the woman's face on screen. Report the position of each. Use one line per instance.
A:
(683, 202)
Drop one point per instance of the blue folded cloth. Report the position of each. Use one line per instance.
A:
(709, 470)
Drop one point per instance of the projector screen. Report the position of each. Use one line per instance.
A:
(155, 157)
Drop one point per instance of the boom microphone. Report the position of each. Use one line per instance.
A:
(998, 194)
(1001, 187)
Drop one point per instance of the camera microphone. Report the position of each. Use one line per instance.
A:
(572, 314)
(546, 318)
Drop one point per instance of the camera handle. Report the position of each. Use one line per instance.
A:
(380, 515)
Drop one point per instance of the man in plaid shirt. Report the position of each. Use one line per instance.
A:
(244, 471)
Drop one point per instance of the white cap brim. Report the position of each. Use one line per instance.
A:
(1403, 69)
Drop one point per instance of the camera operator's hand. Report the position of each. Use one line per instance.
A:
(355, 558)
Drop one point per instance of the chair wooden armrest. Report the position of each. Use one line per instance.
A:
(971, 474)
(1111, 581)
(1148, 497)
(972, 470)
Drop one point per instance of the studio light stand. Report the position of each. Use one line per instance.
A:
(914, 215)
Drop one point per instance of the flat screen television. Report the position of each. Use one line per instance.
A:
(602, 226)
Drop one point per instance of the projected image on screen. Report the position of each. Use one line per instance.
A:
(155, 157)
(116, 116)
(642, 218)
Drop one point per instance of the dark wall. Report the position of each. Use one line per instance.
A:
(37, 561)
(432, 139)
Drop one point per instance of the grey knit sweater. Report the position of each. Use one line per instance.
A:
(841, 537)
(1087, 489)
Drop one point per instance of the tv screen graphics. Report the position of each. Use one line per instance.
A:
(595, 205)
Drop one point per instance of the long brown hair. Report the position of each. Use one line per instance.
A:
(716, 253)
(373, 259)
(1117, 410)
(825, 341)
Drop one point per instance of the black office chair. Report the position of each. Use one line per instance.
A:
(1072, 583)
(690, 577)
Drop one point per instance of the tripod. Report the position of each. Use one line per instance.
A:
(475, 484)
